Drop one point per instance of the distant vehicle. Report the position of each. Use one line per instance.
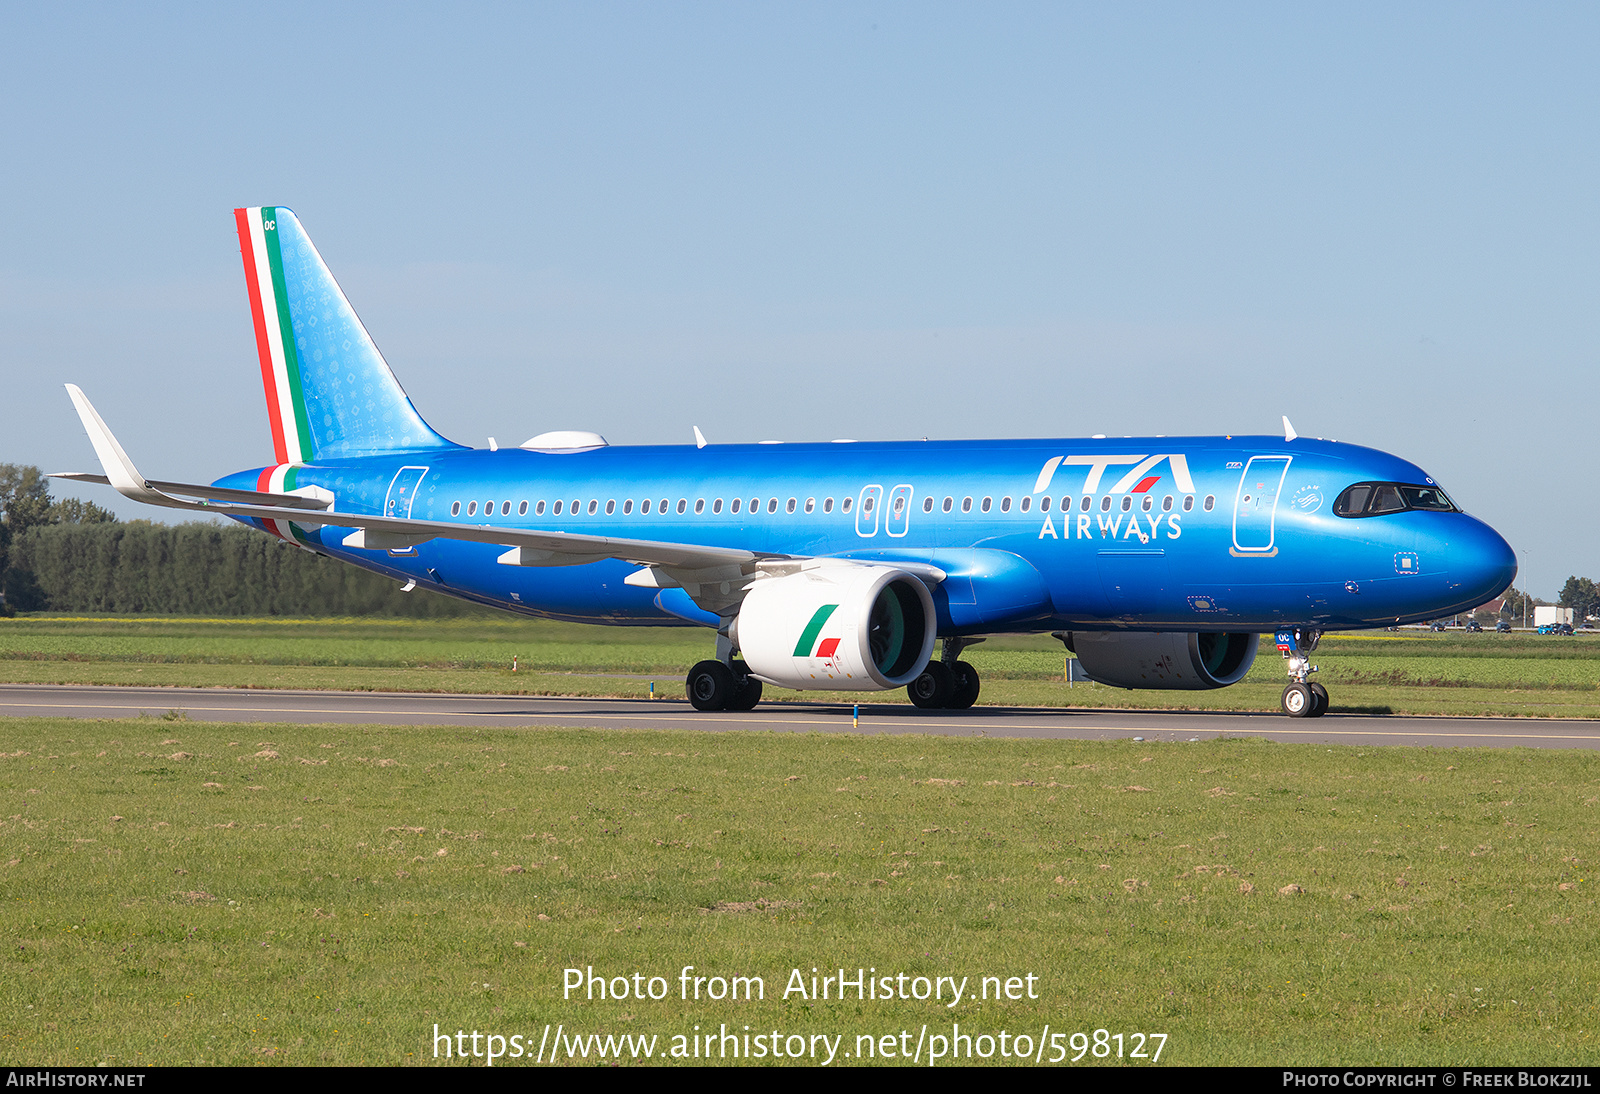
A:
(1437, 625)
(1474, 626)
(1502, 627)
(1555, 628)
(1587, 627)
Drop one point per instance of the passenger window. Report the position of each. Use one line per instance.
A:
(1166, 504)
(827, 505)
(733, 506)
(811, 504)
(644, 506)
(845, 503)
(455, 509)
(683, 504)
(927, 504)
(472, 508)
(522, 510)
(538, 510)
(716, 506)
(611, 507)
(627, 506)
(984, 504)
(505, 509)
(572, 509)
(555, 511)
(966, 505)
(662, 508)
(1211, 500)
(1105, 504)
(899, 505)
(699, 506)
(772, 505)
(1127, 502)
(1149, 503)
(1044, 504)
(948, 502)
(593, 506)
(1087, 502)
(1005, 504)
(866, 506)
(789, 508)
(1027, 503)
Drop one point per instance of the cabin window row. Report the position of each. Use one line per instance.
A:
(1146, 503)
(664, 506)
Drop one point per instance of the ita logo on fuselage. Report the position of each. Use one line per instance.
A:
(1123, 523)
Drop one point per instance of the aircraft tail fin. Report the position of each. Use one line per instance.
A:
(329, 391)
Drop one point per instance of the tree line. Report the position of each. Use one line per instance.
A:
(73, 556)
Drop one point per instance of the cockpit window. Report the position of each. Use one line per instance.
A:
(1373, 499)
(1385, 499)
(1427, 497)
(1353, 502)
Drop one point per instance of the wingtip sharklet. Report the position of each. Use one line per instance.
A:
(118, 467)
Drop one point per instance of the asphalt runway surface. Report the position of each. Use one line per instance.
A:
(402, 708)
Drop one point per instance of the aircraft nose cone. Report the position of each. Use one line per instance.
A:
(1485, 564)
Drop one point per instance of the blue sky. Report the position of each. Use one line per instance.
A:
(812, 221)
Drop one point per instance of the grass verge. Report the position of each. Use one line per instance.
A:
(185, 893)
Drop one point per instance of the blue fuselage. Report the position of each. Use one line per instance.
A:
(1223, 534)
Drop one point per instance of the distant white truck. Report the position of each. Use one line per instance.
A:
(1545, 615)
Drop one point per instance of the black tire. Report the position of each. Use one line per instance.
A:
(1298, 701)
(709, 686)
(966, 686)
(746, 694)
(934, 688)
(1320, 694)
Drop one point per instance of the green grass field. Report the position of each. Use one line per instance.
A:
(1407, 672)
(186, 893)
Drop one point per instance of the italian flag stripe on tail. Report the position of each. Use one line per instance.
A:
(274, 327)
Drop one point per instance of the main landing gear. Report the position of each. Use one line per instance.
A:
(723, 684)
(1301, 699)
(948, 683)
(713, 685)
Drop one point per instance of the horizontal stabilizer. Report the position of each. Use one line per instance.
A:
(220, 493)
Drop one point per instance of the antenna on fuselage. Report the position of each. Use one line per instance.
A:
(699, 438)
(1288, 430)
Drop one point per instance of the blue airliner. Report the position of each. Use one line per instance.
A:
(1157, 561)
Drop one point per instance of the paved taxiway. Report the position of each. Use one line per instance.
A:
(398, 708)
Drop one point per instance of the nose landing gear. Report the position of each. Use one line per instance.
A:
(1301, 699)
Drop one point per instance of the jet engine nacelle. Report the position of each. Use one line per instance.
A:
(840, 627)
(1170, 662)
